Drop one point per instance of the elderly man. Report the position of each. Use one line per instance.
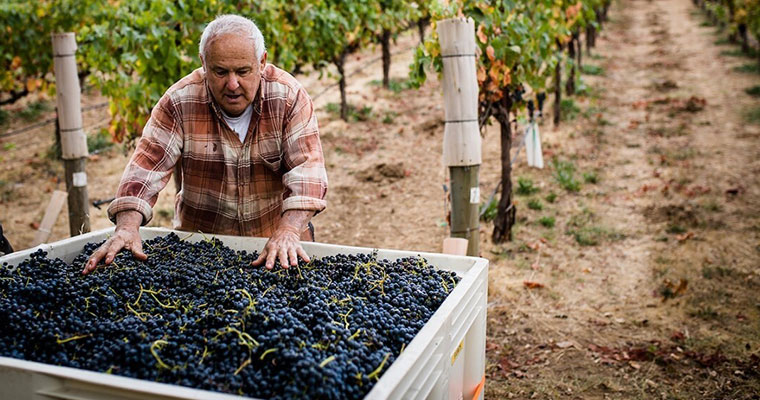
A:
(245, 137)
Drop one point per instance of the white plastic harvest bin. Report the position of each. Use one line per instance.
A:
(446, 360)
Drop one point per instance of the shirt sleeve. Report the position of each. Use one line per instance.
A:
(305, 178)
(151, 164)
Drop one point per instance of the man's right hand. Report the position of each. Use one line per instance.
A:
(126, 236)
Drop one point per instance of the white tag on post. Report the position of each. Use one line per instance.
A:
(79, 179)
(475, 195)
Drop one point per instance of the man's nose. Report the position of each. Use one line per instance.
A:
(232, 82)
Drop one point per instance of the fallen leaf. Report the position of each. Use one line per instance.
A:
(34, 225)
(669, 289)
(533, 285)
(677, 336)
(507, 365)
(640, 104)
(685, 236)
(634, 365)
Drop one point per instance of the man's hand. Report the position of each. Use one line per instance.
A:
(284, 243)
(126, 236)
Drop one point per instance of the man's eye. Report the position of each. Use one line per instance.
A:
(244, 72)
(220, 72)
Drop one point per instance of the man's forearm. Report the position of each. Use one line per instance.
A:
(295, 220)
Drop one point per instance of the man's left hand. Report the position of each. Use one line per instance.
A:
(285, 245)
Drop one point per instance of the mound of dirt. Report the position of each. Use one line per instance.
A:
(681, 214)
(390, 172)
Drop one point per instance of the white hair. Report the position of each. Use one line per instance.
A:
(230, 23)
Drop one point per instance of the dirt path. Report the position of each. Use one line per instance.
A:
(649, 272)
(665, 304)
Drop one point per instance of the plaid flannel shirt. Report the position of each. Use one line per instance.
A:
(228, 187)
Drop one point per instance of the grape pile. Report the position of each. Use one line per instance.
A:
(198, 315)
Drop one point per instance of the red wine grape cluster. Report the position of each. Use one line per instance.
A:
(198, 315)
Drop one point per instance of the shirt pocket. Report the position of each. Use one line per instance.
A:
(268, 151)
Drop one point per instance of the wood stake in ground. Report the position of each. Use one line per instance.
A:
(461, 138)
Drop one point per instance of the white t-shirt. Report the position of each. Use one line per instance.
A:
(240, 123)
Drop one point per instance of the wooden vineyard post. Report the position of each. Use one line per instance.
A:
(73, 139)
(461, 137)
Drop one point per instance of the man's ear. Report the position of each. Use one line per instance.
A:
(203, 62)
(263, 60)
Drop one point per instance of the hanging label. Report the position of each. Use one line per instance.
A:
(475, 195)
(79, 179)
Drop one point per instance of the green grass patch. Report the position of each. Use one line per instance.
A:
(751, 68)
(752, 115)
(488, 211)
(394, 85)
(589, 69)
(535, 204)
(722, 41)
(564, 174)
(4, 117)
(568, 110)
(525, 187)
(6, 191)
(547, 221)
(33, 110)
(754, 91)
(99, 142)
(591, 177)
(585, 217)
(551, 197)
(333, 108)
(709, 272)
(390, 117)
(706, 313)
(582, 89)
(739, 53)
(354, 114)
(712, 206)
(594, 235)
(675, 229)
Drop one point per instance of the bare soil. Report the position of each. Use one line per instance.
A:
(646, 284)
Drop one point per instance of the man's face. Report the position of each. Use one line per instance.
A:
(232, 71)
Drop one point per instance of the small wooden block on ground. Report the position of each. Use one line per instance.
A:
(51, 215)
(455, 246)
